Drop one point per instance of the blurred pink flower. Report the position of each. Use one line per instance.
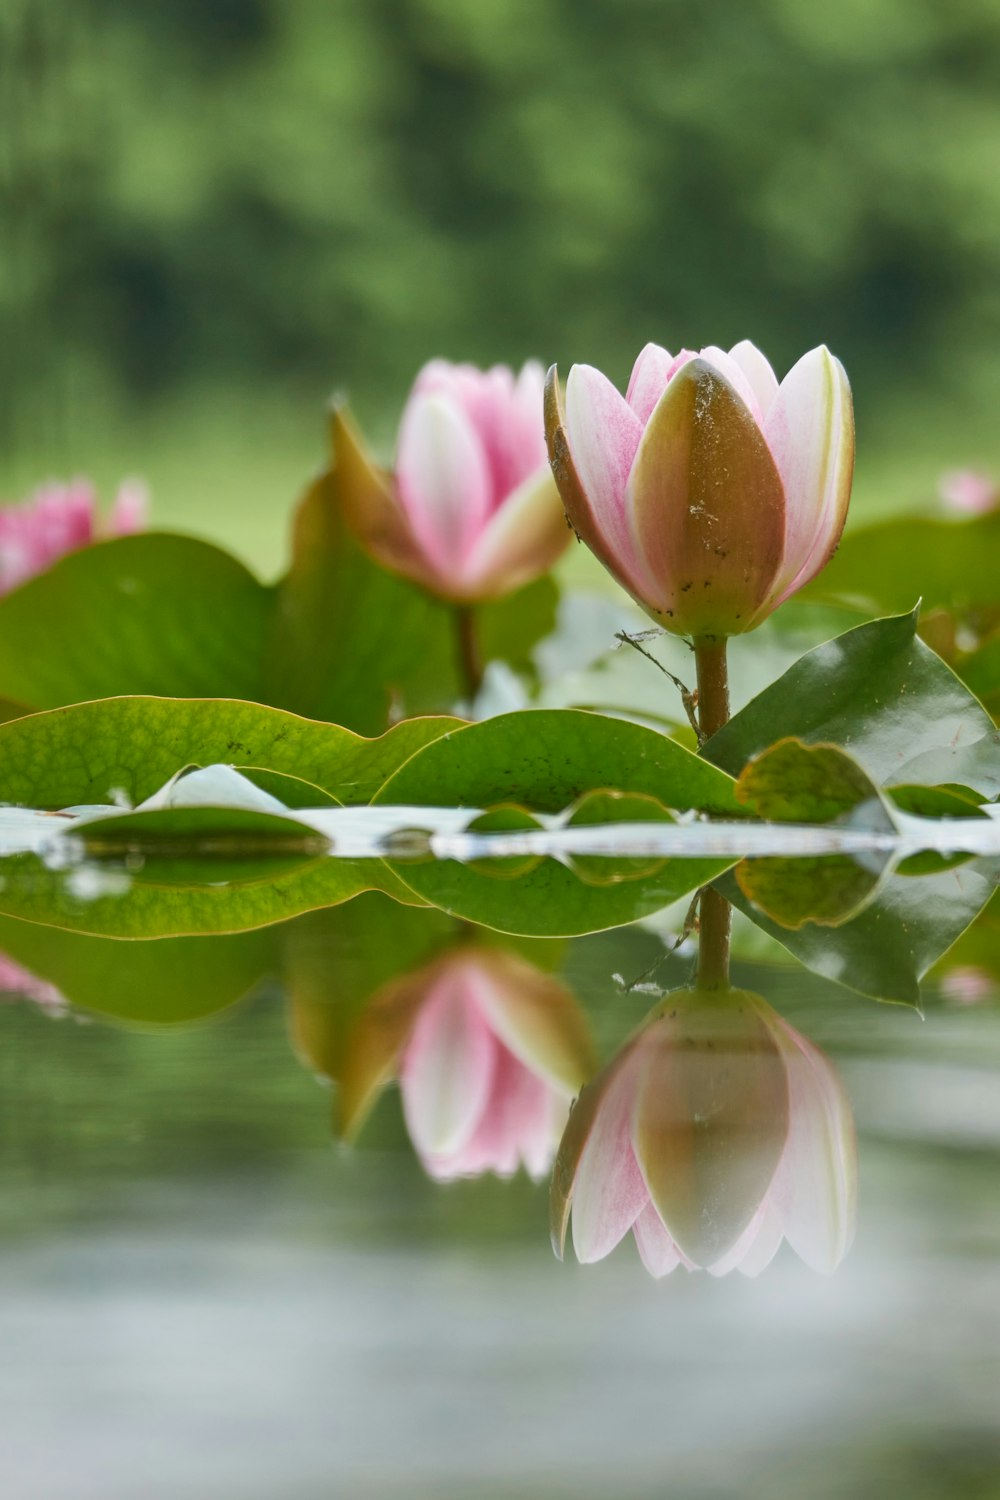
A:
(15, 981)
(715, 1132)
(488, 1050)
(710, 492)
(60, 518)
(969, 492)
(967, 984)
(473, 511)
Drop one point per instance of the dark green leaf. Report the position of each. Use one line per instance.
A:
(885, 951)
(884, 696)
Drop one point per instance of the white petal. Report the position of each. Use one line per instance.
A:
(810, 431)
(757, 370)
(603, 434)
(608, 1191)
(815, 1186)
(443, 479)
(650, 374)
(730, 369)
(657, 1250)
(446, 1073)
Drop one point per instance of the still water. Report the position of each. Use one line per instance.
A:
(247, 1252)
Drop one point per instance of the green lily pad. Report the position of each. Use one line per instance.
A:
(142, 614)
(797, 783)
(172, 982)
(947, 563)
(129, 747)
(546, 760)
(882, 694)
(178, 898)
(884, 951)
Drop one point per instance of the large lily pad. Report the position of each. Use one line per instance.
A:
(880, 692)
(142, 614)
(885, 567)
(126, 748)
(338, 638)
(169, 983)
(546, 760)
(158, 898)
(885, 951)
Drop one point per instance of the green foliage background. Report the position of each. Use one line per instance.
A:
(216, 213)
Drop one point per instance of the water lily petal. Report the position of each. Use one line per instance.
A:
(446, 1072)
(657, 1250)
(815, 1187)
(764, 1246)
(810, 430)
(608, 1191)
(755, 1248)
(732, 371)
(592, 449)
(523, 538)
(648, 381)
(443, 478)
(370, 505)
(706, 507)
(516, 1125)
(535, 1017)
(711, 1119)
(757, 369)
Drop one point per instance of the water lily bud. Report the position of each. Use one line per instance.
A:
(472, 512)
(488, 1051)
(709, 491)
(717, 1131)
(61, 518)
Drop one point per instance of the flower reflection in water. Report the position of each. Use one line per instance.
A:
(17, 983)
(715, 1132)
(488, 1049)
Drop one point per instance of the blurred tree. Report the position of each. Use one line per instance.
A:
(294, 195)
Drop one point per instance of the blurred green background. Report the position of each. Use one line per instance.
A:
(214, 214)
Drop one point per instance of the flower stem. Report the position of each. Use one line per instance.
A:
(470, 662)
(715, 916)
(713, 684)
(714, 931)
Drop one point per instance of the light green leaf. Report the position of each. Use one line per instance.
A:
(129, 747)
(142, 614)
(169, 983)
(546, 760)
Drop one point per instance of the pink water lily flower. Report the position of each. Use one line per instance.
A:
(717, 1131)
(472, 512)
(708, 490)
(61, 518)
(488, 1050)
